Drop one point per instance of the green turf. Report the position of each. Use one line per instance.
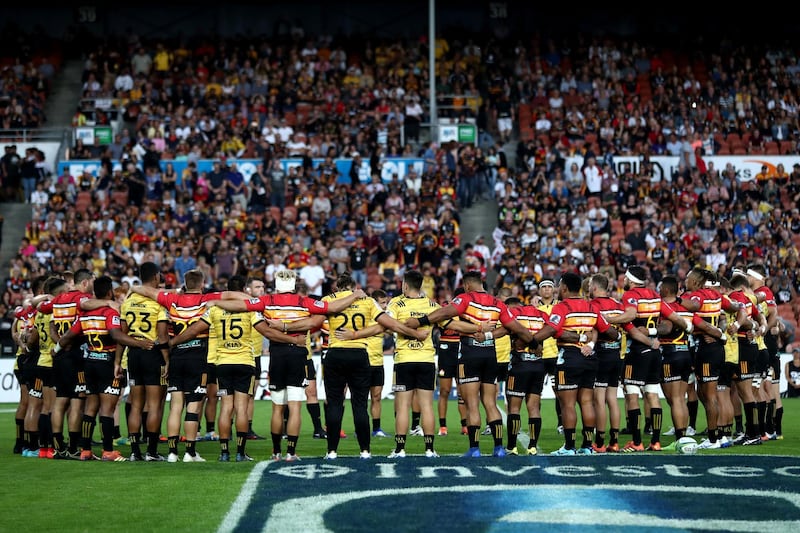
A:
(40, 495)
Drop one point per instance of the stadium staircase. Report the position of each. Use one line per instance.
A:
(59, 108)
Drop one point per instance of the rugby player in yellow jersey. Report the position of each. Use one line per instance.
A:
(231, 336)
(144, 318)
(547, 299)
(414, 366)
(256, 288)
(377, 374)
(25, 361)
(346, 364)
(42, 394)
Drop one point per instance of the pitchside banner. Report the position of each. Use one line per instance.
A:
(400, 166)
(746, 167)
(9, 387)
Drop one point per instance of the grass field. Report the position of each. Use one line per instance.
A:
(41, 495)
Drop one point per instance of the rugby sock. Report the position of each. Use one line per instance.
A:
(569, 438)
(117, 432)
(291, 446)
(727, 430)
(172, 444)
(679, 432)
(399, 442)
(534, 429)
(74, 439)
(770, 420)
(20, 424)
(648, 423)
(376, 424)
(656, 413)
(779, 420)
(442, 422)
(474, 434)
(633, 425)
(107, 432)
(190, 447)
(33, 440)
(739, 426)
(762, 414)
(428, 439)
(414, 419)
(600, 438)
(314, 411)
(463, 422)
(45, 430)
(558, 414)
(588, 435)
(276, 443)
(133, 439)
(223, 446)
(58, 441)
(241, 442)
(613, 436)
(750, 412)
(693, 405)
(513, 430)
(152, 443)
(87, 430)
(210, 426)
(497, 431)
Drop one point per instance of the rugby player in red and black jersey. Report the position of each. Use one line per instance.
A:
(103, 368)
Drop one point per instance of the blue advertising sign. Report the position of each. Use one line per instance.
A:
(400, 166)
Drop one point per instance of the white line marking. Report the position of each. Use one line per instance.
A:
(239, 506)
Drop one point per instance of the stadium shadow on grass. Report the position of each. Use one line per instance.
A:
(720, 493)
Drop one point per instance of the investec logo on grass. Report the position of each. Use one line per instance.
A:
(532, 473)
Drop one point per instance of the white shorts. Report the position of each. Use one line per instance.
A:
(289, 394)
(504, 124)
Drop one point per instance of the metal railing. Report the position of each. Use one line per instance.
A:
(32, 135)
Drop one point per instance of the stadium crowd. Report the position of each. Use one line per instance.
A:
(315, 97)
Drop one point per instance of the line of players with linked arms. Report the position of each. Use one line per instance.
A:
(718, 330)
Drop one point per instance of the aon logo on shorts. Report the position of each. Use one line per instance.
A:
(112, 390)
(200, 390)
(80, 388)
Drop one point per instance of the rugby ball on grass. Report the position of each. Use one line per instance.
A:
(686, 445)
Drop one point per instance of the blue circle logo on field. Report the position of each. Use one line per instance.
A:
(730, 493)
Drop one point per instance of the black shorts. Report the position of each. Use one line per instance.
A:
(68, 374)
(412, 376)
(502, 371)
(642, 366)
(708, 363)
(726, 375)
(477, 365)
(235, 378)
(287, 366)
(525, 377)
(211, 373)
(311, 370)
(377, 376)
(187, 372)
(44, 378)
(775, 364)
(608, 368)
(145, 367)
(676, 363)
(100, 378)
(762, 362)
(747, 369)
(448, 358)
(26, 373)
(550, 366)
(574, 370)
